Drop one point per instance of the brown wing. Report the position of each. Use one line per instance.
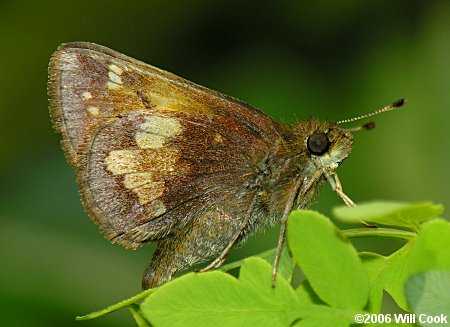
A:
(150, 149)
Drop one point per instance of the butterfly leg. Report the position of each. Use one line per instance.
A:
(337, 187)
(219, 260)
(287, 209)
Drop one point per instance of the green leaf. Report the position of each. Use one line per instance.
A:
(396, 274)
(388, 273)
(389, 213)
(429, 294)
(329, 261)
(375, 266)
(432, 248)
(218, 299)
(430, 251)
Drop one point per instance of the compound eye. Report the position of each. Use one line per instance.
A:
(318, 143)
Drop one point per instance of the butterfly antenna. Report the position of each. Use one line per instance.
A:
(371, 125)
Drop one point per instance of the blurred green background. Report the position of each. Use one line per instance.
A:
(293, 60)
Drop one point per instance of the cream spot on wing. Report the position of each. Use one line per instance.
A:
(135, 180)
(113, 86)
(143, 185)
(94, 111)
(218, 138)
(87, 95)
(149, 141)
(155, 131)
(115, 81)
(142, 170)
(164, 126)
(120, 162)
(139, 169)
(149, 192)
(115, 69)
(114, 77)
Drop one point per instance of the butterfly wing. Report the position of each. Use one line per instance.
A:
(151, 150)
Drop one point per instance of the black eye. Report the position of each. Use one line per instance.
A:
(318, 143)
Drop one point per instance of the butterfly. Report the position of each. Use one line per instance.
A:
(159, 158)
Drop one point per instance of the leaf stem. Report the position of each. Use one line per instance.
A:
(140, 321)
(117, 306)
(386, 232)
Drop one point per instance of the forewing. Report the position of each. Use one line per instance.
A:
(150, 148)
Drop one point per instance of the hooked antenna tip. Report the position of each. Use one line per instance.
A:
(399, 103)
(370, 125)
